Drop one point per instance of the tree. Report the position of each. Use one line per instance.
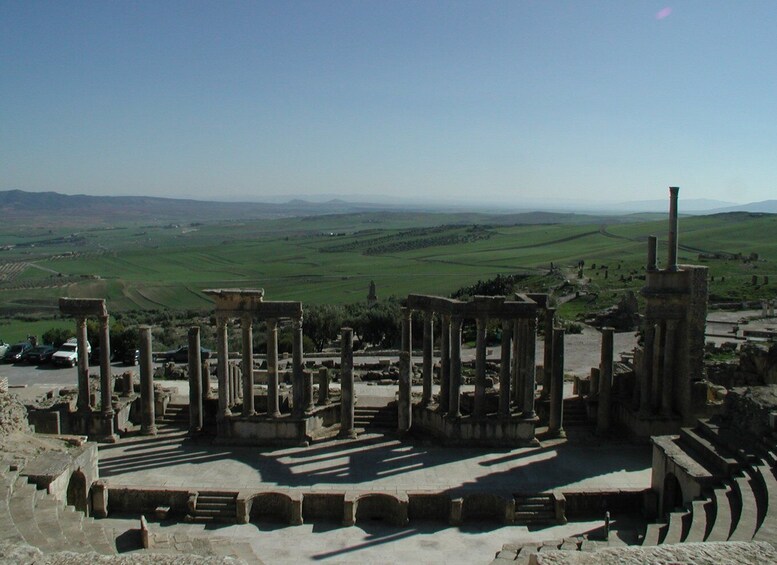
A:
(322, 323)
(58, 336)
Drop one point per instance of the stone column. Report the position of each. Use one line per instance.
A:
(307, 400)
(106, 382)
(479, 410)
(529, 369)
(223, 366)
(323, 386)
(206, 380)
(195, 382)
(655, 393)
(298, 384)
(652, 258)
(347, 399)
(673, 229)
(84, 393)
(248, 366)
(407, 332)
(555, 424)
(404, 407)
(667, 388)
(605, 382)
(547, 367)
(273, 408)
(594, 380)
(147, 410)
(454, 404)
(445, 362)
(515, 387)
(426, 397)
(647, 370)
(504, 369)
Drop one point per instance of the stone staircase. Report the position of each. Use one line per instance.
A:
(214, 506)
(32, 516)
(521, 554)
(742, 506)
(534, 508)
(575, 413)
(376, 419)
(175, 418)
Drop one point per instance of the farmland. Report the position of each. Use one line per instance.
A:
(332, 258)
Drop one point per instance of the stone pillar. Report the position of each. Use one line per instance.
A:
(605, 382)
(298, 384)
(445, 362)
(556, 424)
(206, 380)
(652, 256)
(479, 410)
(647, 370)
(529, 368)
(673, 233)
(147, 410)
(594, 379)
(504, 369)
(407, 332)
(84, 393)
(347, 399)
(195, 382)
(323, 386)
(307, 398)
(426, 397)
(273, 408)
(248, 366)
(667, 388)
(223, 366)
(515, 388)
(655, 393)
(547, 367)
(106, 382)
(404, 408)
(764, 308)
(454, 403)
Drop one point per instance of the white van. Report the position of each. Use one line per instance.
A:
(67, 355)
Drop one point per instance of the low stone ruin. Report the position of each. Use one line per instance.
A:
(624, 316)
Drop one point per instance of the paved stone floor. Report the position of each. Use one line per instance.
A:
(373, 462)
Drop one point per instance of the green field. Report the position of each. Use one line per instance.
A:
(331, 259)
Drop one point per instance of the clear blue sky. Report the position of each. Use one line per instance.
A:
(482, 101)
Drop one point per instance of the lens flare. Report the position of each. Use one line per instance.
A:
(663, 13)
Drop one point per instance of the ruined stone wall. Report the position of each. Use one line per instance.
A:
(13, 415)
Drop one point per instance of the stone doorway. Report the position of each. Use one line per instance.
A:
(77, 492)
(673, 494)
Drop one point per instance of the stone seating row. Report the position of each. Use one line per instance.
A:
(32, 516)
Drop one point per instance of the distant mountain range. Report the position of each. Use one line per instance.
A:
(52, 208)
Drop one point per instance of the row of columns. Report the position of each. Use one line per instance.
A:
(517, 377)
(656, 386)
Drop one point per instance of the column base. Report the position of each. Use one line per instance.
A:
(151, 431)
(529, 415)
(347, 434)
(560, 433)
(107, 438)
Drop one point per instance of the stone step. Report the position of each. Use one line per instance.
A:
(674, 531)
(699, 520)
(768, 530)
(724, 518)
(653, 534)
(748, 515)
(712, 456)
(47, 517)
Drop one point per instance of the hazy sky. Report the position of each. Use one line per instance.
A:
(488, 101)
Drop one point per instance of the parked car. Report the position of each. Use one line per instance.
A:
(38, 355)
(67, 355)
(3, 348)
(14, 352)
(131, 357)
(181, 355)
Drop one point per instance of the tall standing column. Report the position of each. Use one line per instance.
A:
(652, 261)
(407, 331)
(195, 381)
(147, 410)
(504, 369)
(547, 368)
(529, 369)
(445, 362)
(273, 406)
(106, 382)
(454, 404)
(404, 405)
(515, 388)
(298, 379)
(223, 366)
(347, 399)
(673, 229)
(655, 393)
(556, 424)
(605, 382)
(426, 396)
(479, 410)
(667, 385)
(248, 366)
(647, 370)
(84, 394)
(323, 386)
(206, 394)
